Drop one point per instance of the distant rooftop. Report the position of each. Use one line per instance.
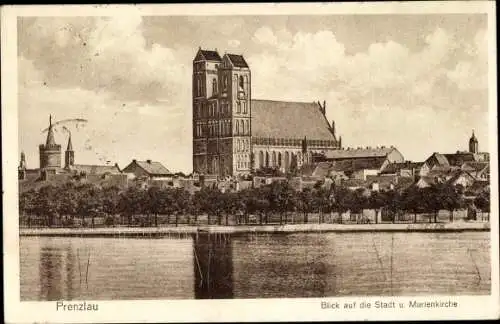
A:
(359, 153)
(150, 167)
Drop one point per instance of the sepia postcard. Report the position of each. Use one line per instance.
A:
(250, 162)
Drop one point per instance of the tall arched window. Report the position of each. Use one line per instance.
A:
(279, 160)
(225, 82)
(261, 159)
(237, 128)
(238, 107)
(243, 127)
(244, 103)
(267, 159)
(247, 127)
(287, 160)
(214, 86)
(242, 83)
(273, 163)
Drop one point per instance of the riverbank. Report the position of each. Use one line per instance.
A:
(255, 229)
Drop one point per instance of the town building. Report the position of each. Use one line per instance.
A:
(234, 134)
(403, 169)
(150, 170)
(355, 163)
(390, 154)
(451, 177)
(458, 160)
(50, 163)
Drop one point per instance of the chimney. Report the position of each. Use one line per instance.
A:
(134, 160)
(149, 161)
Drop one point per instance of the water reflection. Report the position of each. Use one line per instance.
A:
(213, 263)
(255, 266)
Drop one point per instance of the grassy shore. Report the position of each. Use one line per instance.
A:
(244, 229)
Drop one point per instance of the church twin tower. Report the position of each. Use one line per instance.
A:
(221, 114)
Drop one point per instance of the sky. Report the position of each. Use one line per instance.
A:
(418, 82)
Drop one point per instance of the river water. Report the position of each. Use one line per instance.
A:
(255, 266)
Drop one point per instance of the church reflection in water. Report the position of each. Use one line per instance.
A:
(262, 266)
(213, 263)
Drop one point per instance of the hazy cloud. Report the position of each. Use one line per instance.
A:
(130, 76)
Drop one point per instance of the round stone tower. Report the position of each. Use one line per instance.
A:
(50, 153)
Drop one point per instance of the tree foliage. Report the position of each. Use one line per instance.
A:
(74, 203)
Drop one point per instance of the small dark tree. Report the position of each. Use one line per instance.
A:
(482, 201)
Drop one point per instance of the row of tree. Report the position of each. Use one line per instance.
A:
(63, 204)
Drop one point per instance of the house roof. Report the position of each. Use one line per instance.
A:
(294, 120)
(211, 55)
(427, 179)
(397, 167)
(443, 171)
(459, 173)
(95, 169)
(459, 158)
(440, 158)
(151, 167)
(351, 165)
(322, 169)
(359, 153)
(475, 166)
(237, 60)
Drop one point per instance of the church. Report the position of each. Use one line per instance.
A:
(235, 134)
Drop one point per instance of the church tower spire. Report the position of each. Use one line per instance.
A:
(22, 162)
(50, 134)
(69, 155)
(473, 144)
(50, 153)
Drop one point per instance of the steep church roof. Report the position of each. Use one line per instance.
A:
(294, 120)
(210, 55)
(237, 60)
